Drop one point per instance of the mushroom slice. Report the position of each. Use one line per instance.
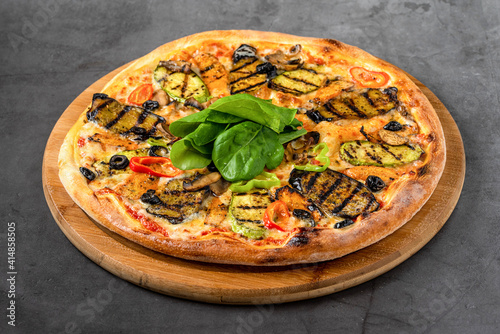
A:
(202, 181)
(219, 187)
(392, 138)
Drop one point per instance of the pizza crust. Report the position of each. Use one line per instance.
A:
(310, 245)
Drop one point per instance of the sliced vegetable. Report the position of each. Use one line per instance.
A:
(334, 193)
(362, 153)
(122, 119)
(368, 78)
(297, 82)
(118, 161)
(277, 208)
(142, 165)
(246, 212)
(184, 156)
(245, 76)
(141, 94)
(264, 180)
(320, 163)
(178, 80)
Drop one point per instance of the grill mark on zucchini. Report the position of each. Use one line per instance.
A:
(389, 151)
(311, 182)
(358, 112)
(243, 78)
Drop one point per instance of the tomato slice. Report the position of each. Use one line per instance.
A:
(141, 94)
(370, 79)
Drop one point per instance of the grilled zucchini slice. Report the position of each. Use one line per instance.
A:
(122, 119)
(364, 153)
(178, 80)
(298, 82)
(246, 212)
(334, 193)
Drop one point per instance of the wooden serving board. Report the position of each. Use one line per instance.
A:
(226, 284)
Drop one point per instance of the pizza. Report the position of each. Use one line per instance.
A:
(254, 148)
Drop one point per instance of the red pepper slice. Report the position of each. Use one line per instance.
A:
(275, 208)
(140, 165)
(370, 79)
(141, 94)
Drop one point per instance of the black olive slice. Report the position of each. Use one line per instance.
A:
(149, 197)
(268, 69)
(244, 51)
(374, 183)
(118, 162)
(158, 151)
(301, 214)
(99, 96)
(150, 105)
(343, 223)
(89, 175)
(393, 126)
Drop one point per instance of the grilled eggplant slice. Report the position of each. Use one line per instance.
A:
(246, 75)
(122, 119)
(364, 153)
(356, 104)
(178, 80)
(298, 82)
(334, 193)
(246, 211)
(176, 203)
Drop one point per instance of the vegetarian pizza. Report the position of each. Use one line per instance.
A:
(254, 148)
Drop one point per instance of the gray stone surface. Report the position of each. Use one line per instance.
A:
(52, 50)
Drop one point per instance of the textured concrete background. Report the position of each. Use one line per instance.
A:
(52, 50)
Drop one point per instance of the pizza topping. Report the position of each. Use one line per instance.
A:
(191, 102)
(118, 161)
(150, 105)
(286, 61)
(264, 180)
(362, 172)
(343, 223)
(161, 97)
(320, 162)
(368, 78)
(125, 120)
(246, 75)
(146, 165)
(140, 95)
(89, 175)
(297, 82)
(176, 203)
(149, 197)
(356, 104)
(178, 80)
(277, 208)
(392, 138)
(334, 193)
(374, 183)
(393, 126)
(301, 207)
(247, 211)
(220, 187)
(202, 181)
(362, 153)
(213, 73)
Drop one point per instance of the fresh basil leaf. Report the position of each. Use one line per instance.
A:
(285, 137)
(239, 152)
(185, 157)
(255, 109)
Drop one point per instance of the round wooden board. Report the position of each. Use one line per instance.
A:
(228, 284)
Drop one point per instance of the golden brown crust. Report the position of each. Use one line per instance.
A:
(311, 245)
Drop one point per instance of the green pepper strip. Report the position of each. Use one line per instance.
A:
(321, 157)
(157, 142)
(263, 180)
